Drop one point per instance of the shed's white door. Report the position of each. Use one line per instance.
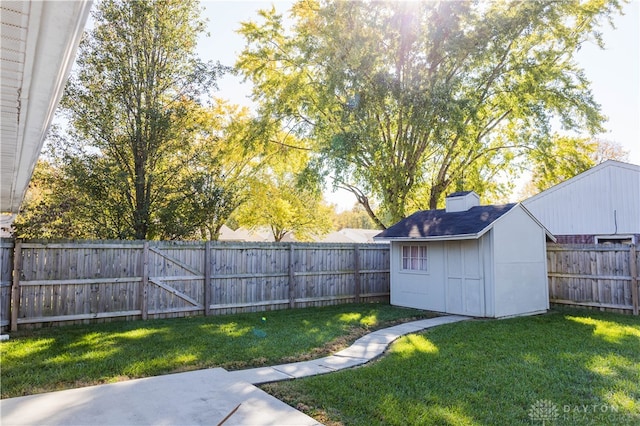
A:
(465, 281)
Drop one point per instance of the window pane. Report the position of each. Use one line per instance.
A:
(423, 265)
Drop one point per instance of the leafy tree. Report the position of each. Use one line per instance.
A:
(357, 217)
(410, 100)
(609, 150)
(72, 194)
(46, 210)
(565, 158)
(282, 201)
(129, 101)
(79, 194)
(219, 176)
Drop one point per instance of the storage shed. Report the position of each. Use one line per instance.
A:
(468, 259)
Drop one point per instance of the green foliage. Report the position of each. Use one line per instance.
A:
(561, 159)
(357, 217)
(564, 157)
(407, 101)
(282, 200)
(35, 361)
(130, 102)
(48, 208)
(489, 372)
(67, 198)
(225, 162)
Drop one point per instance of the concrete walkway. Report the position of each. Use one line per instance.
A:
(204, 397)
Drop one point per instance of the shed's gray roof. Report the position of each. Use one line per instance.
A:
(439, 223)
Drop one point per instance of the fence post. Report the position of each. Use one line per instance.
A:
(207, 278)
(144, 284)
(357, 284)
(292, 278)
(15, 284)
(633, 262)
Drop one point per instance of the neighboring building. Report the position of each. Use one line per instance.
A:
(346, 235)
(601, 205)
(228, 234)
(351, 235)
(6, 225)
(261, 235)
(244, 234)
(484, 261)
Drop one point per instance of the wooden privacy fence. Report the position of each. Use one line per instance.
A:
(600, 276)
(82, 281)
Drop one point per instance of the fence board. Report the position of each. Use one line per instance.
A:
(633, 269)
(6, 268)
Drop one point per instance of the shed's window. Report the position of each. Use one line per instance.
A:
(414, 258)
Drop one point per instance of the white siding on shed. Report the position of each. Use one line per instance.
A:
(604, 200)
(520, 266)
(417, 289)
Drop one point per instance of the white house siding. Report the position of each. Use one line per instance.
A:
(520, 269)
(604, 200)
(419, 290)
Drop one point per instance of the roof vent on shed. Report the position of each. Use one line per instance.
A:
(461, 201)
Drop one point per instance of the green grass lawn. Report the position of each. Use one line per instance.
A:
(575, 366)
(65, 357)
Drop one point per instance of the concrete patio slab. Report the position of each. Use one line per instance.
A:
(202, 397)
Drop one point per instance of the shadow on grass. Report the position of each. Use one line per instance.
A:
(585, 365)
(58, 358)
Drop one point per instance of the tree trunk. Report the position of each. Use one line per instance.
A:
(141, 214)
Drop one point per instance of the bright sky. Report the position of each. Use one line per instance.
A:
(614, 72)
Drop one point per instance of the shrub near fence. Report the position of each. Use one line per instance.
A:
(62, 282)
(596, 276)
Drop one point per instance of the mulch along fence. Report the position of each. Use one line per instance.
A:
(67, 282)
